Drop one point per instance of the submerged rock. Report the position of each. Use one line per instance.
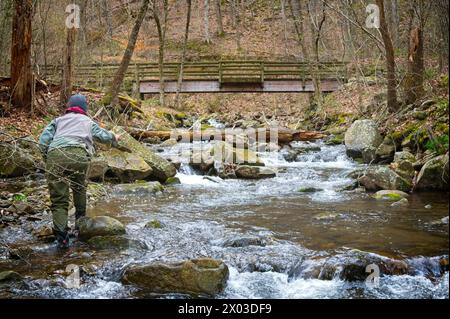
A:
(196, 277)
(173, 181)
(383, 178)
(434, 175)
(245, 242)
(155, 224)
(310, 190)
(141, 188)
(100, 226)
(115, 243)
(254, 172)
(400, 203)
(363, 138)
(392, 195)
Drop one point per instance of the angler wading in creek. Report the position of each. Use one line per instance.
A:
(67, 144)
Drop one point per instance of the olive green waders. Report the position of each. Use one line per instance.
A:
(66, 168)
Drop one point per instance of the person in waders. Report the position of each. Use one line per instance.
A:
(67, 144)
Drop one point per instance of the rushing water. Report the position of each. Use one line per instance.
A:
(204, 217)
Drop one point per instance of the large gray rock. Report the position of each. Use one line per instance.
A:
(128, 167)
(196, 277)
(362, 140)
(434, 175)
(383, 178)
(351, 266)
(20, 158)
(254, 172)
(100, 226)
(162, 168)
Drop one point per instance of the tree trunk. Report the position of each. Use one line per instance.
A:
(297, 11)
(206, 21)
(183, 56)
(285, 34)
(390, 60)
(414, 79)
(113, 92)
(21, 68)
(66, 85)
(161, 26)
(217, 5)
(237, 22)
(394, 22)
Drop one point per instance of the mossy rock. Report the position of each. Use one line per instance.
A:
(336, 140)
(173, 181)
(100, 226)
(390, 195)
(154, 224)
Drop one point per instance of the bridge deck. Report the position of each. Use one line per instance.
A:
(210, 77)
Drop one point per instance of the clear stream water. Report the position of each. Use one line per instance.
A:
(201, 217)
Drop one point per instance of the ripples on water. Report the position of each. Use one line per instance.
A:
(201, 215)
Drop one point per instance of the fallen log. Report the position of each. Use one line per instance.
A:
(285, 136)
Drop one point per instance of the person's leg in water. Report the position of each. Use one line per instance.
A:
(58, 186)
(78, 184)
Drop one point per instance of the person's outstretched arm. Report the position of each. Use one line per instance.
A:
(104, 136)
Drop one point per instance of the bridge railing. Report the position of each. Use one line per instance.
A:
(223, 71)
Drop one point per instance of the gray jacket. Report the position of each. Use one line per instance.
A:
(73, 129)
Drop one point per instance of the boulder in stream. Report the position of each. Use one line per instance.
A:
(351, 266)
(362, 140)
(162, 168)
(377, 178)
(195, 277)
(434, 175)
(127, 167)
(391, 195)
(254, 172)
(100, 226)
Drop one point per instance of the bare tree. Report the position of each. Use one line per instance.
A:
(298, 13)
(113, 92)
(160, 17)
(206, 21)
(218, 9)
(66, 85)
(419, 11)
(183, 56)
(21, 67)
(390, 59)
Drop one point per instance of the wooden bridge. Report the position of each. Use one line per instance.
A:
(213, 77)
